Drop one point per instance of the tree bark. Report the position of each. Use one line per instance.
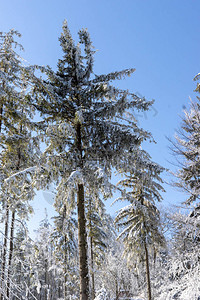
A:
(59, 290)
(1, 115)
(91, 253)
(10, 254)
(92, 269)
(6, 225)
(146, 257)
(147, 272)
(82, 244)
(82, 235)
(12, 231)
(4, 250)
(65, 270)
(46, 279)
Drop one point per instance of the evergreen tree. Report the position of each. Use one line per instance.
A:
(140, 221)
(20, 273)
(64, 238)
(96, 219)
(19, 150)
(186, 147)
(113, 274)
(10, 78)
(91, 130)
(44, 255)
(184, 259)
(182, 266)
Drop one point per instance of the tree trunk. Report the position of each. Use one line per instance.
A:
(4, 251)
(6, 226)
(116, 289)
(65, 270)
(92, 269)
(12, 231)
(147, 272)
(46, 279)
(82, 235)
(10, 253)
(82, 244)
(146, 257)
(1, 115)
(59, 289)
(91, 252)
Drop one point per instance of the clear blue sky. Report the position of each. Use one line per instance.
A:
(161, 39)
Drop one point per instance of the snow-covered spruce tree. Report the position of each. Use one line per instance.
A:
(21, 274)
(18, 149)
(9, 79)
(113, 274)
(41, 271)
(186, 150)
(140, 220)
(18, 272)
(64, 238)
(186, 147)
(96, 219)
(90, 131)
(43, 263)
(182, 266)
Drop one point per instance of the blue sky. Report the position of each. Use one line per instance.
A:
(161, 39)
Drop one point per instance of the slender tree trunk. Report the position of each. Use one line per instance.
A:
(146, 258)
(91, 252)
(10, 253)
(65, 270)
(59, 289)
(116, 289)
(46, 280)
(82, 235)
(147, 272)
(1, 115)
(4, 250)
(6, 224)
(92, 269)
(65, 254)
(82, 244)
(12, 232)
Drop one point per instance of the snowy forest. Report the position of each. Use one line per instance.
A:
(76, 130)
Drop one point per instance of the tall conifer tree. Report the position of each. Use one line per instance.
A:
(19, 150)
(140, 220)
(90, 131)
(186, 148)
